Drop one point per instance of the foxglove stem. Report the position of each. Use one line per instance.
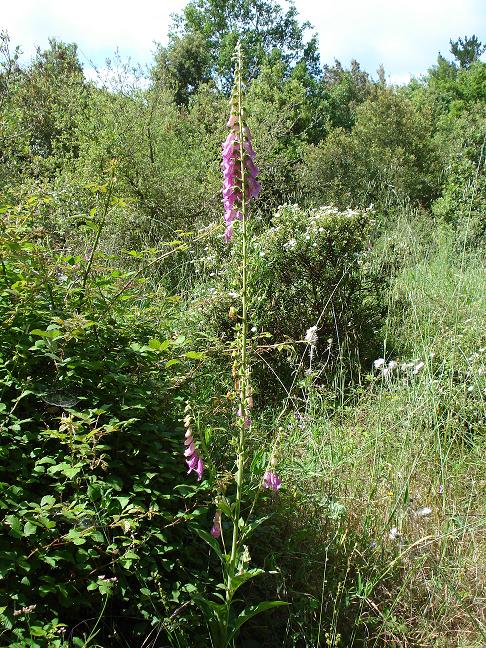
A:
(243, 378)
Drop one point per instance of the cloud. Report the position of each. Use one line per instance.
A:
(99, 27)
(404, 36)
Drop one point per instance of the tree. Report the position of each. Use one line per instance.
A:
(468, 50)
(387, 158)
(51, 96)
(10, 138)
(188, 63)
(347, 89)
(207, 31)
(9, 66)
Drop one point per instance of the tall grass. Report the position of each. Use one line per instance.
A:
(382, 525)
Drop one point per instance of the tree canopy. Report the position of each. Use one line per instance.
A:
(204, 35)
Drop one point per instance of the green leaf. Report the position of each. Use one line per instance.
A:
(157, 345)
(5, 621)
(194, 355)
(124, 501)
(15, 525)
(238, 580)
(251, 611)
(66, 469)
(76, 537)
(37, 631)
(212, 542)
(215, 615)
(47, 501)
(174, 361)
(29, 528)
(249, 528)
(225, 507)
(53, 333)
(45, 460)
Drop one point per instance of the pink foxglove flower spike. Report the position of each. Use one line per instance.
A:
(193, 460)
(233, 150)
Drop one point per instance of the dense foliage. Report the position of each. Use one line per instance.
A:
(118, 300)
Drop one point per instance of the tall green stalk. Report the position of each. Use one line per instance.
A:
(239, 187)
(101, 224)
(243, 370)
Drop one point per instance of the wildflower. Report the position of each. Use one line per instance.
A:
(60, 276)
(394, 533)
(425, 511)
(311, 335)
(418, 367)
(247, 420)
(25, 610)
(216, 528)
(234, 153)
(271, 480)
(388, 370)
(193, 460)
(300, 420)
(407, 366)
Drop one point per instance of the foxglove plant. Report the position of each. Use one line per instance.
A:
(271, 480)
(240, 186)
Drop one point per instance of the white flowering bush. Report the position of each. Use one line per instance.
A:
(311, 268)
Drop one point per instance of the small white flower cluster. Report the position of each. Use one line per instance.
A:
(387, 369)
(394, 533)
(25, 610)
(425, 511)
(290, 245)
(319, 223)
(311, 336)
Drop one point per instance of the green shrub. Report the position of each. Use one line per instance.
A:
(90, 451)
(463, 199)
(166, 161)
(388, 157)
(310, 268)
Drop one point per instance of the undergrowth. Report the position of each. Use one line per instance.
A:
(381, 527)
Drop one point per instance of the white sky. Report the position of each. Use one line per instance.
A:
(404, 35)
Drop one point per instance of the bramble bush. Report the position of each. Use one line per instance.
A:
(93, 542)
